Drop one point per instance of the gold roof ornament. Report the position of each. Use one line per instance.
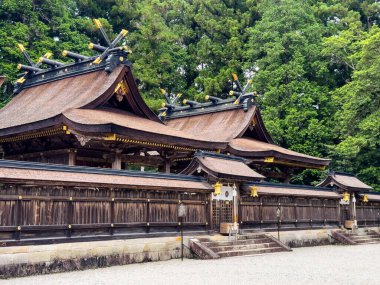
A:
(365, 198)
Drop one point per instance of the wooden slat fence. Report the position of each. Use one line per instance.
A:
(260, 212)
(368, 214)
(37, 212)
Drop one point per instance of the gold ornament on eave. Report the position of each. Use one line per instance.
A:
(346, 196)
(217, 188)
(254, 191)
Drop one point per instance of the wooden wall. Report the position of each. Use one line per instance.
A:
(368, 214)
(36, 212)
(295, 212)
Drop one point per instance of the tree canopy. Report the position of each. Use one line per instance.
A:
(315, 63)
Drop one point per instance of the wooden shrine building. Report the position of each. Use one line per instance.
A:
(73, 131)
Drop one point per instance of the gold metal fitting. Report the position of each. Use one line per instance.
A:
(97, 60)
(90, 45)
(64, 53)
(97, 23)
(21, 47)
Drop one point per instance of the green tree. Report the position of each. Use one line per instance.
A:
(358, 114)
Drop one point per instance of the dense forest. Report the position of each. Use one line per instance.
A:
(315, 63)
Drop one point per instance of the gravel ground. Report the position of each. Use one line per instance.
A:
(312, 265)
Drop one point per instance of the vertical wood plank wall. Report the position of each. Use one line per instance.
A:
(58, 211)
(295, 212)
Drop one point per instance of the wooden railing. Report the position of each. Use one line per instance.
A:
(39, 212)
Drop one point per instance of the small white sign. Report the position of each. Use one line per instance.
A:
(226, 195)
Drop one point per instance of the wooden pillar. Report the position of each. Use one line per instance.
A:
(295, 211)
(19, 213)
(287, 179)
(208, 211)
(72, 157)
(116, 164)
(43, 158)
(167, 166)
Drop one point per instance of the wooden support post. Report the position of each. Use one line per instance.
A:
(72, 157)
(261, 211)
(310, 213)
(116, 164)
(43, 158)
(167, 165)
(179, 199)
(70, 213)
(208, 213)
(18, 213)
(147, 214)
(211, 210)
(112, 216)
(295, 211)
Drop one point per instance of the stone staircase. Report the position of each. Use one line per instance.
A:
(248, 244)
(358, 236)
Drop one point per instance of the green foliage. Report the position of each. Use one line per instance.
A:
(316, 62)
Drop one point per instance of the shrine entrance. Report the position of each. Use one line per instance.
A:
(222, 208)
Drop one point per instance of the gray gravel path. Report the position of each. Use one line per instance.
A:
(313, 265)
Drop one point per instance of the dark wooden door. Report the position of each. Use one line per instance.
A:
(344, 213)
(222, 212)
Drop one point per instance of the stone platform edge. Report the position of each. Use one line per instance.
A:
(18, 261)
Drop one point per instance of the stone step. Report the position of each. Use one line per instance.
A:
(251, 236)
(204, 239)
(250, 251)
(243, 247)
(367, 240)
(363, 237)
(236, 242)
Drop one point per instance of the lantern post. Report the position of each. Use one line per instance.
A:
(278, 214)
(235, 209)
(354, 210)
(181, 214)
